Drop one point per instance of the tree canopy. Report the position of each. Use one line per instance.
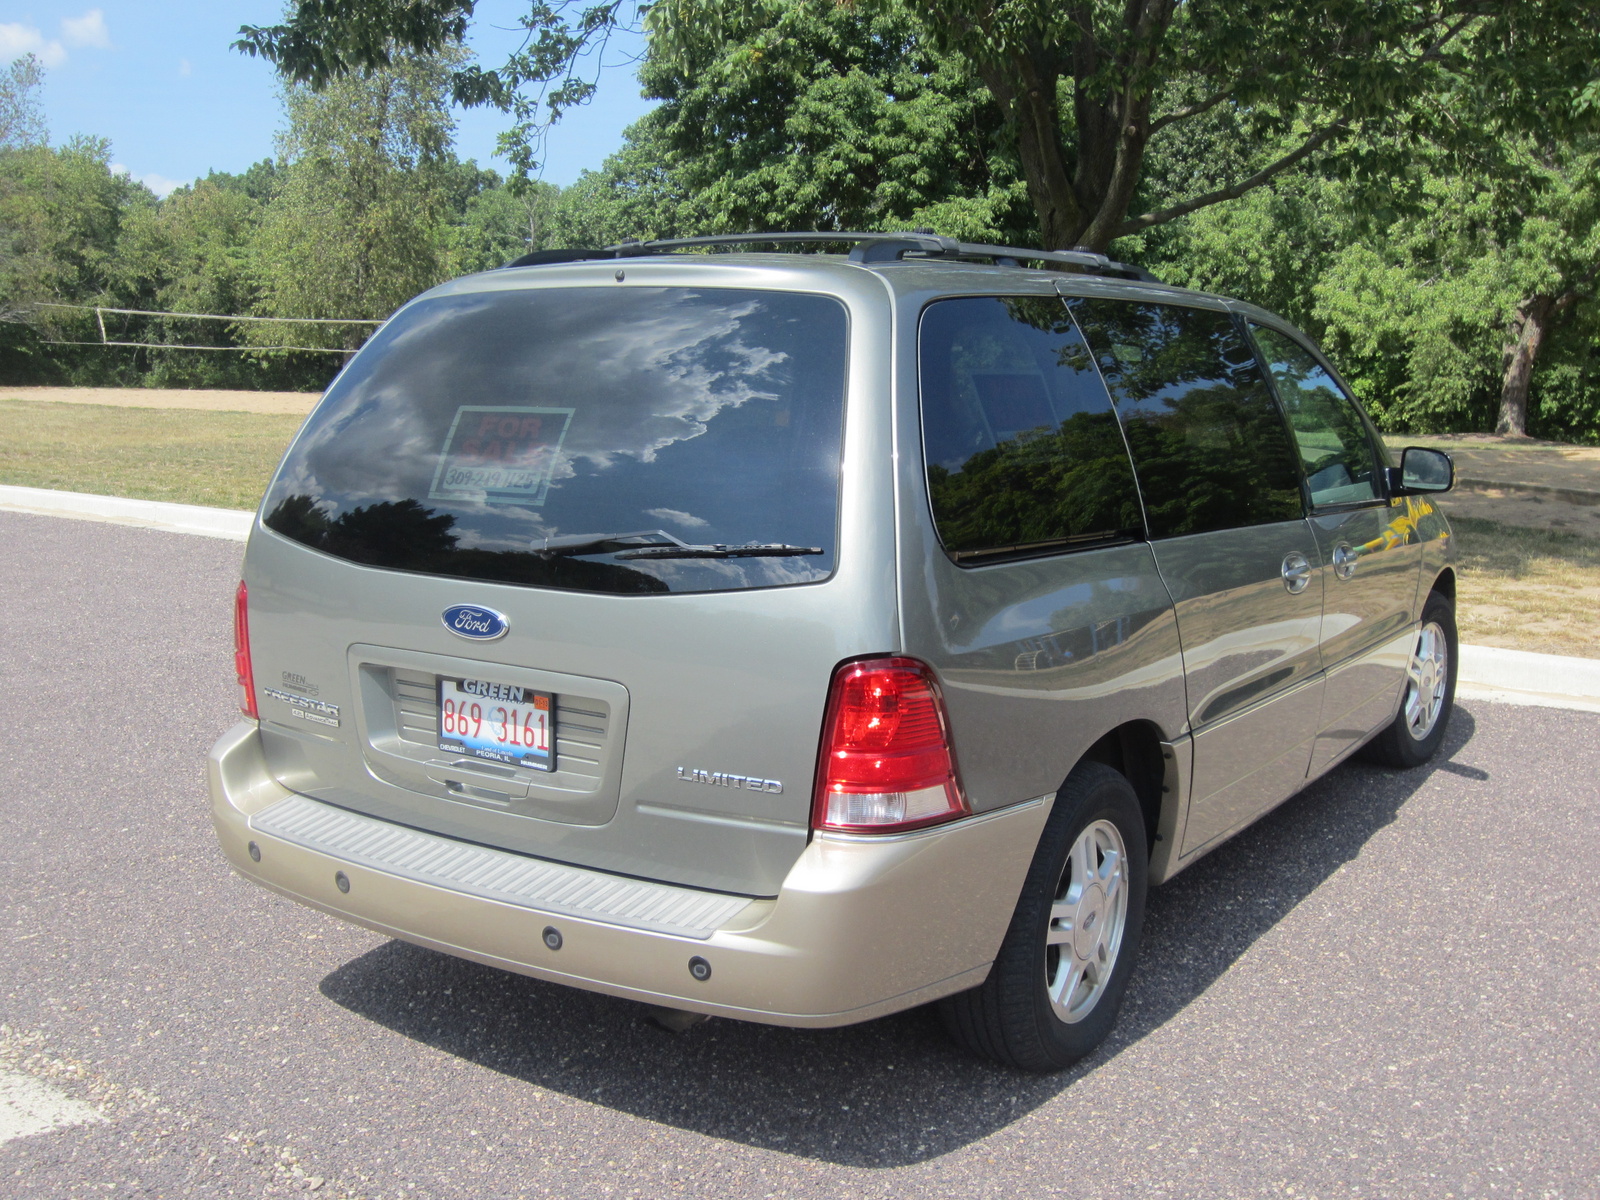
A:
(1081, 88)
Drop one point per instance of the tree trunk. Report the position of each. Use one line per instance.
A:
(1027, 96)
(1528, 328)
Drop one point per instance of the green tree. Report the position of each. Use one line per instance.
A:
(809, 114)
(61, 215)
(1440, 291)
(1082, 87)
(639, 192)
(190, 253)
(355, 229)
(21, 118)
(1453, 306)
(488, 223)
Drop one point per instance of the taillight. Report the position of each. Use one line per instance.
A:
(241, 652)
(886, 760)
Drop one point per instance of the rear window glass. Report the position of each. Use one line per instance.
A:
(593, 439)
(1023, 451)
(1207, 437)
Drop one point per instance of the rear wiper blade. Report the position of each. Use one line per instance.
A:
(658, 543)
(600, 543)
(771, 550)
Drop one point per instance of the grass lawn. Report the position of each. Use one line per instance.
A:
(1528, 589)
(221, 459)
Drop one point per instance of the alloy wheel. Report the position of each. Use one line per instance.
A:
(1087, 920)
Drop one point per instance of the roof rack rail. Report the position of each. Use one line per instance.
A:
(923, 245)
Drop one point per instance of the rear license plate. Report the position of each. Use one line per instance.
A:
(499, 722)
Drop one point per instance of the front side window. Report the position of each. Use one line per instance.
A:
(1335, 451)
(1208, 442)
(1023, 451)
(591, 439)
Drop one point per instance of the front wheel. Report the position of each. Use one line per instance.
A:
(1418, 729)
(1055, 987)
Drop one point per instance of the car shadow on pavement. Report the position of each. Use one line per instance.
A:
(889, 1092)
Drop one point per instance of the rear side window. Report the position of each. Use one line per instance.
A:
(1207, 438)
(1023, 451)
(1335, 451)
(517, 435)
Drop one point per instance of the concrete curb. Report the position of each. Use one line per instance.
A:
(226, 523)
(1522, 677)
(1486, 672)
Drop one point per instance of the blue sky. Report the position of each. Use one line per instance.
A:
(159, 80)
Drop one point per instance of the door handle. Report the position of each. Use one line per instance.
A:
(1345, 557)
(1296, 572)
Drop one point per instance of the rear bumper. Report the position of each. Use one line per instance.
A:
(862, 926)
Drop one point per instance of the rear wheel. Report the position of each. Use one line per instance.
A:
(1055, 987)
(1418, 729)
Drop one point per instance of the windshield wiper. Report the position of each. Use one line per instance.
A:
(600, 543)
(770, 550)
(658, 543)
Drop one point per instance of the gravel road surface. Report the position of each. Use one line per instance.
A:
(1389, 987)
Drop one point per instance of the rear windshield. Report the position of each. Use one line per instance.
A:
(592, 439)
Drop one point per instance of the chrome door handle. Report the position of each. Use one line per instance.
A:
(1296, 572)
(1345, 557)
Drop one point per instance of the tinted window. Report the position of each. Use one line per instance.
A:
(1023, 451)
(1208, 441)
(476, 431)
(1334, 448)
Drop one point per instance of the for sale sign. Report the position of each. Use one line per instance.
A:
(500, 455)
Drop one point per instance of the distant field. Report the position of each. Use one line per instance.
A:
(221, 459)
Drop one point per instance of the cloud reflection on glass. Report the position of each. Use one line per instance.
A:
(475, 426)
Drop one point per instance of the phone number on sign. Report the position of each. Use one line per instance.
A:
(491, 479)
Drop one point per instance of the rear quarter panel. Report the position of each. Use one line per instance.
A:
(1040, 658)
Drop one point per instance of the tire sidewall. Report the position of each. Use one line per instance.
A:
(1107, 797)
(1438, 610)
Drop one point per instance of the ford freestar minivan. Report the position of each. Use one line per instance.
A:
(802, 637)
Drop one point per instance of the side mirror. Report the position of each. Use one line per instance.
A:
(1421, 471)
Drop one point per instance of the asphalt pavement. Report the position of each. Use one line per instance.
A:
(1388, 987)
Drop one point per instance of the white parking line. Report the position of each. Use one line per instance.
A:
(29, 1106)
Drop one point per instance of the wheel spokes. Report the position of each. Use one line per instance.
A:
(1067, 983)
(1087, 917)
(1063, 924)
(1427, 681)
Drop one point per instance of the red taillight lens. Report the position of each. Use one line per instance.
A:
(241, 652)
(886, 759)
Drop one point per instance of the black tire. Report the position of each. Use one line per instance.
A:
(1402, 743)
(1011, 1016)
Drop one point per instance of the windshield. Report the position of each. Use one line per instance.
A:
(516, 435)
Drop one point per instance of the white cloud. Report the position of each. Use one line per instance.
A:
(87, 30)
(677, 518)
(159, 184)
(18, 39)
(183, 67)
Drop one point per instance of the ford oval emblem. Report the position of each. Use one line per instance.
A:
(471, 621)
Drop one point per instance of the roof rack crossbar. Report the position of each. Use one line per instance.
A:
(867, 248)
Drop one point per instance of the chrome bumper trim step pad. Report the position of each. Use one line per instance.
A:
(515, 879)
